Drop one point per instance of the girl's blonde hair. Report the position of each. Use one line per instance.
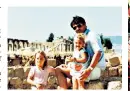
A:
(80, 36)
(44, 55)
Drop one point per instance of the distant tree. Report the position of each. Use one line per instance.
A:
(50, 38)
(71, 38)
(107, 43)
(61, 37)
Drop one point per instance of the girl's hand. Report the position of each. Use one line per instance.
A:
(39, 86)
(68, 59)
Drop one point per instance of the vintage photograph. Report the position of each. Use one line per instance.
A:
(64, 48)
(128, 46)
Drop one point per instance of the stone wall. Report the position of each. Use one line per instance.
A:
(111, 77)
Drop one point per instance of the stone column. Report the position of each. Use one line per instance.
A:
(71, 49)
(61, 48)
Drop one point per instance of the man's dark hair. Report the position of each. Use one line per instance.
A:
(77, 20)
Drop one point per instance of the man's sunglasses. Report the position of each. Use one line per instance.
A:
(78, 25)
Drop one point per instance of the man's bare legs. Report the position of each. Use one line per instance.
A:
(62, 80)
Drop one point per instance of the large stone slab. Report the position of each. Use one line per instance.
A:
(94, 85)
(10, 72)
(16, 62)
(52, 62)
(19, 72)
(113, 71)
(16, 82)
(114, 61)
(120, 70)
(114, 85)
(26, 85)
(26, 71)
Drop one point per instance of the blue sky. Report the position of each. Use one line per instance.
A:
(36, 23)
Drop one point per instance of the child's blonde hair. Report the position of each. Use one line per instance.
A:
(80, 36)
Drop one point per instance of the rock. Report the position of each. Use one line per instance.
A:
(16, 82)
(113, 71)
(26, 71)
(114, 61)
(104, 73)
(10, 72)
(16, 62)
(108, 64)
(52, 62)
(24, 62)
(120, 70)
(19, 72)
(12, 56)
(26, 85)
(114, 85)
(94, 85)
(109, 79)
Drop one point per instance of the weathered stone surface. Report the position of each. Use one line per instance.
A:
(24, 62)
(26, 85)
(108, 64)
(19, 72)
(94, 85)
(114, 85)
(120, 70)
(104, 74)
(113, 71)
(15, 80)
(52, 62)
(109, 79)
(10, 72)
(26, 71)
(16, 62)
(114, 61)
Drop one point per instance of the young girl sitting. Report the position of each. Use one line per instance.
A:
(38, 74)
(78, 62)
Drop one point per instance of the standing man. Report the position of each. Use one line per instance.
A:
(93, 47)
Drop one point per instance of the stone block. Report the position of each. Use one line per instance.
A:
(94, 85)
(120, 70)
(26, 71)
(108, 64)
(114, 61)
(113, 71)
(19, 72)
(26, 85)
(52, 62)
(24, 62)
(10, 72)
(16, 82)
(114, 85)
(104, 74)
(16, 62)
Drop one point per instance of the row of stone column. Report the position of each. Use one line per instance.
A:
(64, 48)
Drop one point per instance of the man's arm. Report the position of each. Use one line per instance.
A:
(95, 59)
(93, 64)
(97, 49)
